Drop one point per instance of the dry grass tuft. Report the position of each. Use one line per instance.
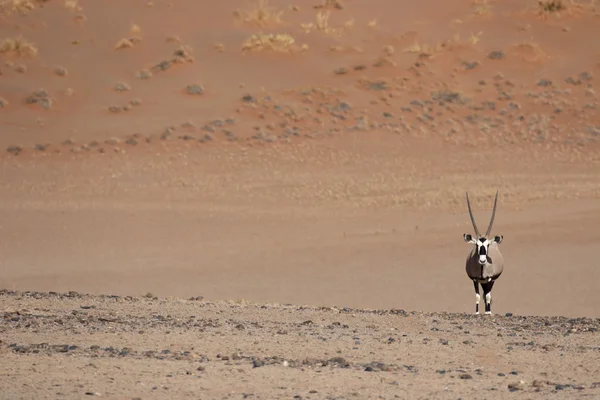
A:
(73, 5)
(8, 7)
(321, 24)
(277, 42)
(456, 43)
(19, 47)
(372, 23)
(482, 8)
(261, 14)
(331, 4)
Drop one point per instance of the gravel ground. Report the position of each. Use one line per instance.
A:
(71, 345)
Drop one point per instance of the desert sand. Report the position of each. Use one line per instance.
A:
(251, 199)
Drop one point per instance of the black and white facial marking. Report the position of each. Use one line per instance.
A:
(482, 244)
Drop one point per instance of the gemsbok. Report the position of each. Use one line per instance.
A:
(485, 262)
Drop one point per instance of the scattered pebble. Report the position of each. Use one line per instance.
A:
(60, 71)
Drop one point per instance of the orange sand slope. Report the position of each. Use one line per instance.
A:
(301, 152)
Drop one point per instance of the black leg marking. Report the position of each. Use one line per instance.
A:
(476, 296)
(487, 289)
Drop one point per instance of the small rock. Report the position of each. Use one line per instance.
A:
(257, 363)
(162, 66)
(340, 71)
(143, 74)
(3, 103)
(470, 65)
(194, 89)
(14, 149)
(249, 99)
(21, 68)
(167, 133)
(465, 376)
(520, 385)
(60, 71)
(544, 82)
(508, 314)
(496, 55)
(585, 76)
(116, 109)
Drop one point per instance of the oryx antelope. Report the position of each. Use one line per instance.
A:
(485, 262)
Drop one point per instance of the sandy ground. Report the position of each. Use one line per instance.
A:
(72, 345)
(297, 153)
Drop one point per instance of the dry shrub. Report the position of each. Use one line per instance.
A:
(423, 49)
(127, 43)
(322, 25)
(8, 7)
(333, 4)
(482, 8)
(19, 47)
(72, 5)
(456, 43)
(277, 42)
(261, 14)
(559, 8)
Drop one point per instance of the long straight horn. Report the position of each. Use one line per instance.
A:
(489, 229)
(471, 215)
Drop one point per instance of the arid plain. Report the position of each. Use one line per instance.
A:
(246, 199)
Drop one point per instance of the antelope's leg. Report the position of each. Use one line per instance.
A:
(477, 296)
(487, 292)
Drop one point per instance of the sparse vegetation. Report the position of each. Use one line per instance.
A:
(560, 7)
(321, 24)
(482, 8)
(277, 42)
(8, 7)
(427, 50)
(333, 4)
(551, 6)
(40, 97)
(260, 14)
(19, 47)
(127, 43)
(72, 5)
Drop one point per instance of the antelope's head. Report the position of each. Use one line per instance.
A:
(482, 242)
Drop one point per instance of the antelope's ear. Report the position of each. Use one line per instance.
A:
(468, 238)
(498, 239)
